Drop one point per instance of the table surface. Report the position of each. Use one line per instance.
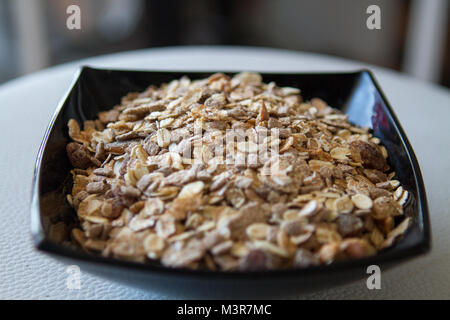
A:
(27, 104)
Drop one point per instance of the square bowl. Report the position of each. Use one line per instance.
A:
(355, 93)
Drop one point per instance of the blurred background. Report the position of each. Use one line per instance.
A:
(414, 35)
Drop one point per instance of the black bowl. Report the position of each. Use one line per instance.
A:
(356, 93)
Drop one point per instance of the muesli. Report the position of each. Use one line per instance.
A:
(231, 173)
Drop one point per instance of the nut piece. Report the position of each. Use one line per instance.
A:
(384, 207)
(362, 201)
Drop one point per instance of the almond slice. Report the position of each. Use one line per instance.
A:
(362, 201)
(344, 205)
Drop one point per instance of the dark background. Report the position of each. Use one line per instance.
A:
(414, 36)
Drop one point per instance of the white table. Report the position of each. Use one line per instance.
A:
(27, 104)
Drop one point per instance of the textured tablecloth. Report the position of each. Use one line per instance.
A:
(26, 107)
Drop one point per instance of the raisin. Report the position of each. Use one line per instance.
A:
(370, 155)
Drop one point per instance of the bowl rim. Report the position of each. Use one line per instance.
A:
(421, 244)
